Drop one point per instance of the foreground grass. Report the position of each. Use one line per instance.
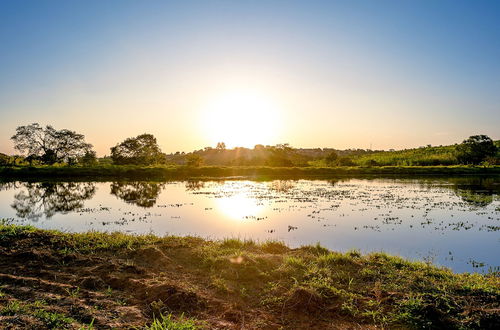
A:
(233, 283)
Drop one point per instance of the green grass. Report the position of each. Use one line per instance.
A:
(38, 309)
(110, 172)
(424, 156)
(427, 156)
(376, 288)
(168, 323)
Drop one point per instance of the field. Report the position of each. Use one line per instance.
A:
(59, 280)
(424, 156)
(427, 156)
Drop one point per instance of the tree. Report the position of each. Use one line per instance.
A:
(194, 160)
(475, 149)
(50, 145)
(89, 158)
(4, 160)
(280, 155)
(140, 150)
(331, 158)
(221, 146)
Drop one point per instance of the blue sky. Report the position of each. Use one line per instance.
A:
(341, 74)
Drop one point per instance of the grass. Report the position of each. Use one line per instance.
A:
(50, 320)
(424, 156)
(162, 172)
(307, 282)
(168, 323)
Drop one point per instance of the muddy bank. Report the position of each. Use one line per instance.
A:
(57, 280)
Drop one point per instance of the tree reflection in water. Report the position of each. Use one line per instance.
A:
(47, 199)
(10, 185)
(282, 186)
(475, 191)
(142, 194)
(194, 185)
(478, 192)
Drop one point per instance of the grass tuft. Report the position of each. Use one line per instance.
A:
(168, 323)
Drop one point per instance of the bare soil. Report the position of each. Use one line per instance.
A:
(125, 289)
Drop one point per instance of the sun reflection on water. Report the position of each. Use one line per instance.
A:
(239, 206)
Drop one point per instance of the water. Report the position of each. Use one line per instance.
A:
(451, 222)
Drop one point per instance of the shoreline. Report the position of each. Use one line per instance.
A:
(212, 172)
(54, 279)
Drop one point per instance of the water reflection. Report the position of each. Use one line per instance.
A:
(46, 199)
(143, 194)
(194, 185)
(454, 219)
(282, 186)
(333, 182)
(9, 185)
(239, 206)
(478, 192)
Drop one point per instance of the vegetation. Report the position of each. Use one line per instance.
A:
(50, 146)
(425, 156)
(165, 172)
(185, 283)
(89, 158)
(331, 158)
(476, 149)
(47, 146)
(472, 151)
(194, 160)
(283, 155)
(140, 150)
(168, 323)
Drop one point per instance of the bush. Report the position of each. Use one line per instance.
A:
(345, 161)
(332, 158)
(194, 160)
(371, 162)
(89, 158)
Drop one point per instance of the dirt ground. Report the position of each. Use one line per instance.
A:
(124, 290)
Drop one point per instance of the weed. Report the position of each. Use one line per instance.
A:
(168, 323)
(73, 293)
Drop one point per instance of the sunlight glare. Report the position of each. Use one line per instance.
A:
(239, 206)
(241, 118)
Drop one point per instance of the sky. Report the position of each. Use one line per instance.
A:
(340, 74)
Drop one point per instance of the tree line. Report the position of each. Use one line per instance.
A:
(49, 146)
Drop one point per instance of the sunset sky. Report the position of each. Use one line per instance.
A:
(341, 74)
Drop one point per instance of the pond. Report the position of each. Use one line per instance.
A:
(452, 222)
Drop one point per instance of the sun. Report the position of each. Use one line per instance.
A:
(241, 118)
